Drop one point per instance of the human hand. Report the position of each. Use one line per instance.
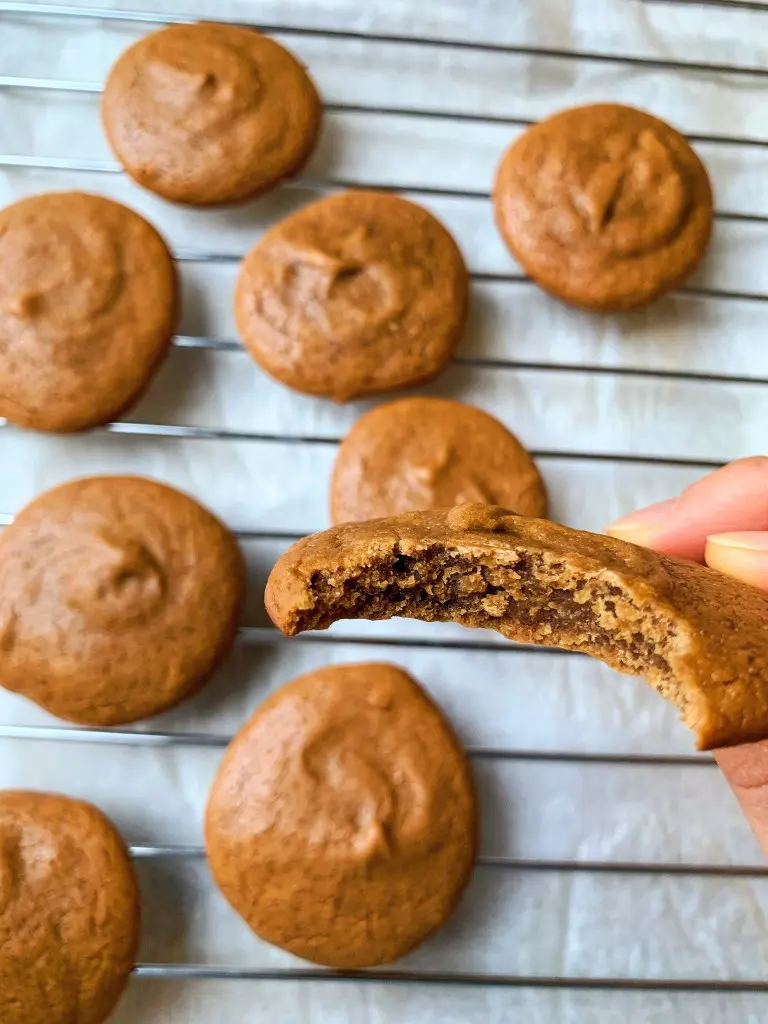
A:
(721, 521)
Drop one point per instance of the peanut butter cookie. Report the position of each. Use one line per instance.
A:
(699, 637)
(421, 453)
(343, 824)
(605, 206)
(88, 300)
(69, 911)
(208, 113)
(118, 598)
(355, 294)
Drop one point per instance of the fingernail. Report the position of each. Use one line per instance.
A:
(745, 541)
(643, 522)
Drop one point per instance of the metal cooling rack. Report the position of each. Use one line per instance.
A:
(266, 635)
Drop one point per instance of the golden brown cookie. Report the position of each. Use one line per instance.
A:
(88, 299)
(69, 911)
(700, 638)
(421, 453)
(355, 294)
(118, 598)
(208, 113)
(342, 824)
(605, 206)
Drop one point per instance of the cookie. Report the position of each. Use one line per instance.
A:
(69, 911)
(698, 636)
(207, 113)
(88, 299)
(118, 598)
(356, 294)
(342, 824)
(605, 206)
(422, 453)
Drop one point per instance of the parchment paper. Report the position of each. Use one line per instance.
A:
(513, 921)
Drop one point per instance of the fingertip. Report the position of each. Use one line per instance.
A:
(743, 555)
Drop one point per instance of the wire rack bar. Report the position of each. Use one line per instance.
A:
(736, 5)
(135, 738)
(209, 344)
(201, 256)
(24, 82)
(182, 431)
(70, 85)
(268, 634)
(170, 852)
(142, 851)
(487, 362)
(163, 18)
(491, 363)
(201, 972)
(326, 185)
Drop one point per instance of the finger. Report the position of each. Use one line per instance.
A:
(723, 520)
(746, 769)
(742, 555)
(732, 499)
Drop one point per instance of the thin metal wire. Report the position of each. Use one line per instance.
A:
(143, 851)
(744, 5)
(180, 431)
(69, 85)
(209, 344)
(695, 291)
(326, 185)
(487, 861)
(268, 634)
(199, 972)
(258, 634)
(48, 84)
(136, 738)
(491, 363)
(199, 342)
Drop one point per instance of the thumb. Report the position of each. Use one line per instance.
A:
(743, 555)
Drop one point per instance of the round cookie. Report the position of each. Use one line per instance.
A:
(605, 206)
(69, 911)
(342, 824)
(118, 598)
(207, 113)
(422, 453)
(356, 294)
(88, 300)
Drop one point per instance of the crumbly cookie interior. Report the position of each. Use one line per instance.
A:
(532, 597)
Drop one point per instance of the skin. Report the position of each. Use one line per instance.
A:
(721, 521)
